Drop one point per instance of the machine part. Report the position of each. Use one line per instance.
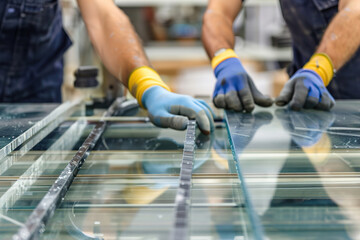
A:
(86, 77)
(182, 200)
(36, 222)
(127, 107)
(111, 86)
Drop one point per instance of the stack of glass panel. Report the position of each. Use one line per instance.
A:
(272, 174)
(126, 188)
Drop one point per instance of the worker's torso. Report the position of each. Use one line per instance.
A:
(32, 42)
(307, 21)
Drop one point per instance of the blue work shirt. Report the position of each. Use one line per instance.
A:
(307, 21)
(32, 44)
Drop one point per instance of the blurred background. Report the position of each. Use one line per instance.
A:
(171, 34)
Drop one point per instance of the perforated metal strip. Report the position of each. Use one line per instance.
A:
(36, 222)
(182, 200)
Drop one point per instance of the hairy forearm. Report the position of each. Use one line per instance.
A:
(342, 37)
(216, 33)
(217, 29)
(113, 37)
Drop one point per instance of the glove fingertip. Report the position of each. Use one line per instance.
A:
(249, 108)
(266, 101)
(279, 101)
(332, 104)
(205, 132)
(179, 122)
(219, 101)
(204, 123)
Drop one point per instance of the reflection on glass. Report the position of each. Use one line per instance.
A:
(127, 187)
(301, 171)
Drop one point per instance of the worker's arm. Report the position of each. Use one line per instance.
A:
(113, 37)
(217, 31)
(234, 88)
(342, 38)
(307, 88)
(121, 51)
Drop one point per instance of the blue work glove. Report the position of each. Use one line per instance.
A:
(234, 88)
(305, 127)
(167, 109)
(305, 89)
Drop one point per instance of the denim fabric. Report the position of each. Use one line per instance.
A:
(307, 21)
(32, 44)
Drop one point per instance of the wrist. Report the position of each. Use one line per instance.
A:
(222, 55)
(322, 65)
(143, 78)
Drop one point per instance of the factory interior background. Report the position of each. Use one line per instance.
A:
(171, 34)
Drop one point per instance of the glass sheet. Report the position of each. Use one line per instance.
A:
(17, 118)
(28, 173)
(21, 122)
(126, 188)
(300, 170)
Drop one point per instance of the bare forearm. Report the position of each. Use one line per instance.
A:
(342, 38)
(217, 29)
(113, 37)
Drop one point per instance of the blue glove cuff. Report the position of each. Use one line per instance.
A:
(230, 66)
(306, 73)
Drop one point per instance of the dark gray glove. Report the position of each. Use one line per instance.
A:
(305, 90)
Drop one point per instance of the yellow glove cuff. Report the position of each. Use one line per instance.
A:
(228, 53)
(143, 78)
(322, 65)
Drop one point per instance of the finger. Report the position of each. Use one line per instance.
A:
(247, 98)
(325, 102)
(232, 101)
(219, 98)
(313, 98)
(259, 98)
(189, 111)
(168, 120)
(210, 119)
(193, 111)
(299, 98)
(331, 99)
(285, 94)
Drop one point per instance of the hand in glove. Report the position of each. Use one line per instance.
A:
(307, 87)
(167, 109)
(234, 88)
